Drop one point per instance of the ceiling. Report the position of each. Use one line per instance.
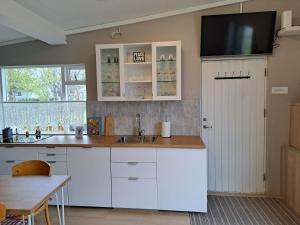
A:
(7, 34)
(73, 15)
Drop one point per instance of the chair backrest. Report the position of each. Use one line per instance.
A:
(31, 168)
(2, 212)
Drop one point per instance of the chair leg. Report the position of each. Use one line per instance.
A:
(47, 215)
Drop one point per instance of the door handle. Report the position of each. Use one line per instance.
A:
(207, 127)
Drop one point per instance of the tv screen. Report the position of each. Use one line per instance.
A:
(238, 34)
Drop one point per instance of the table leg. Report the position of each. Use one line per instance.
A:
(63, 206)
(58, 208)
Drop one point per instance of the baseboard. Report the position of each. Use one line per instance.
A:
(230, 194)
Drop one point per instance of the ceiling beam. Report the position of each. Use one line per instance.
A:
(16, 17)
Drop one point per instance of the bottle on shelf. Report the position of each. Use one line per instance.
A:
(60, 127)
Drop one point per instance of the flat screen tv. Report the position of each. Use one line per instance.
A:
(241, 34)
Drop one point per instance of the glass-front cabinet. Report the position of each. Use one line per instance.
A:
(167, 70)
(109, 70)
(139, 71)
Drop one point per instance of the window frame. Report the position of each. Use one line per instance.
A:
(65, 69)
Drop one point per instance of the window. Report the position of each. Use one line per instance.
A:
(44, 83)
(51, 97)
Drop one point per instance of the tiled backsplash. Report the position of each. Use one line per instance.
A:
(184, 115)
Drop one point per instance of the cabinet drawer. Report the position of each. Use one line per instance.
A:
(6, 165)
(140, 170)
(58, 168)
(140, 193)
(50, 157)
(133, 155)
(17, 153)
(53, 150)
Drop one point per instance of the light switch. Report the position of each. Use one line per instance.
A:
(280, 90)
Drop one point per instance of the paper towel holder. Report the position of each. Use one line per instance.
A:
(166, 129)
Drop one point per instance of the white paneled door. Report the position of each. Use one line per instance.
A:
(233, 124)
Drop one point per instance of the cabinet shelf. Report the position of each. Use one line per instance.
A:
(141, 63)
(112, 63)
(110, 82)
(139, 81)
(166, 81)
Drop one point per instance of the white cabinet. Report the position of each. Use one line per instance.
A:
(110, 85)
(90, 183)
(9, 156)
(166, 70)
(182, 179)
(139, 71)
(134, 192)
(134, 182)
(56, 157)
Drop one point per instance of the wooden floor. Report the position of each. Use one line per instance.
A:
(95, 216)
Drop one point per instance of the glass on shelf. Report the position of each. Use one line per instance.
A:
(110, 89)
(110, 72)
(166, 71)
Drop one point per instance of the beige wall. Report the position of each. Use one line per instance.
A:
(283, 65)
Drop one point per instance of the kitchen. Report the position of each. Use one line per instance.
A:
(185, 110)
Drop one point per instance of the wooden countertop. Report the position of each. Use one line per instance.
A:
(111, 141)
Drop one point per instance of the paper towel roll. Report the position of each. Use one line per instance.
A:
(166, 129)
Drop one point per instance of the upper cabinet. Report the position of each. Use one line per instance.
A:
(139, 72)
(109, 72)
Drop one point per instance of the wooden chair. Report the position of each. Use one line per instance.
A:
(9, 221)
(34, 168)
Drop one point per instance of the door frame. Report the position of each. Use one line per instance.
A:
(265, 58)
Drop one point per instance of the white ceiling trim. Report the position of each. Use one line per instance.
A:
(16, 17)
(16, 41)
(156, 16)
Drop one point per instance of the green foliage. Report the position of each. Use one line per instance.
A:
(40, 84)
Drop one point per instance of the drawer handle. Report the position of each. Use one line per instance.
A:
(133, 178)
(50, 146)
(51, 162)
(50, 154)
(9, 146)
(10, 161)
(133, 163)
(87, 147)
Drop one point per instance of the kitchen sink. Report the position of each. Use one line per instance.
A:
(147, 139)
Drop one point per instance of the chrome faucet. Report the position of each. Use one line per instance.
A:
(140, 132)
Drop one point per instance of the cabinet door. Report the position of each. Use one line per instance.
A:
(90, 183)
(166, 57)
(110, 67)
(182, 179)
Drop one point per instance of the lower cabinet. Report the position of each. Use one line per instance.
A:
(141, 178)
(56, 157)
(90, 183)
(182, 179)
(134, 178)
(137, 193)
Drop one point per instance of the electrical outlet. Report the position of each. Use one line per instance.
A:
(280, 90)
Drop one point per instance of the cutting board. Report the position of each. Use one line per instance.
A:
(109, 125)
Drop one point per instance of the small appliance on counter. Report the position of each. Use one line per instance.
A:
(7, 135)
(166, 129)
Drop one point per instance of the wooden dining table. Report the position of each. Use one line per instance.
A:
(24, 195)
